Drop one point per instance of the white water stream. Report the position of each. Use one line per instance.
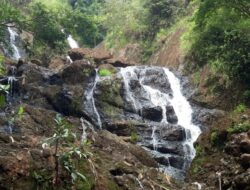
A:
(183, 111)
(161, 99)
(90, 98)
(72, 42)
(16, 54)
(138, 87)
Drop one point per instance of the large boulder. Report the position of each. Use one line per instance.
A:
(155, 78)
(58, 63)
(152, 113)
(172, 133)
(67, 100)
(78, 72)
(96, 55)
(171, 116)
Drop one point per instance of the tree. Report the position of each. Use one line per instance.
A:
(9, 17)
(222, 37)
(161, 13)
(45, 25)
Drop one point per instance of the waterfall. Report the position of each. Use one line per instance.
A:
(16, 54)
(90, 100)
(72, 43)
(183, 111)
(154, 93)
(152, 97)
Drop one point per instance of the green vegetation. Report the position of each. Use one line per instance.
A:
(242, 127)
(104, 72)
(199, 160)
(45, 26)
(134, 137)
(9, 16)
(240, 108)
(220, 37)
(64, 138)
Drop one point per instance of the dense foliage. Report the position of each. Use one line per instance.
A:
(221, 37)
(8, 17)
(45, 26)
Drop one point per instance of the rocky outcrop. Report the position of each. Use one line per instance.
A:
(83, 70)
(152, 113)
(223, 151)
(24, 159)
(81, 53)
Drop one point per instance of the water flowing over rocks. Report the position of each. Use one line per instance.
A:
(142, 100)
(143, 105)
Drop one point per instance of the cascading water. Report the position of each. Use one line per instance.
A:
(159, 97)
(152, 97)
(16, 54)
(183, 111)
(90, 100)
(72, 43)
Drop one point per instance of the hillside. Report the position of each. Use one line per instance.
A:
(113, 94)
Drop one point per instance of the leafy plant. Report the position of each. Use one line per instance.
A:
(64, 138)
(105, 72)
(199, 151)
(20, 111)
(239, 128)
(240, 108)
(2, 68)
(4, 88)
(134, 137)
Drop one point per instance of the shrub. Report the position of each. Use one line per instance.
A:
(214, 138)
(134, 137)
(239, 128)
(104, 72)
(240, 108)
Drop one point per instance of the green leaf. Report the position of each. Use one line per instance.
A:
(2, 101)
(81, 176)
(74, 176)
(20, 111)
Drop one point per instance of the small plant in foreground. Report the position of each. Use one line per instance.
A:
(66, 152)
(134, 137)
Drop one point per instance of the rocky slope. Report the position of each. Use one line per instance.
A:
(112, 162)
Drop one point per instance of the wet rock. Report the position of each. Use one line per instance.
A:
(157, 79)
(152, 113)
(71, 96)
(167, 148)
(176, 162)
(163, 160)
(78, 72)
(120, 128)
(97, 55)
(171, 116)
(172, 133)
